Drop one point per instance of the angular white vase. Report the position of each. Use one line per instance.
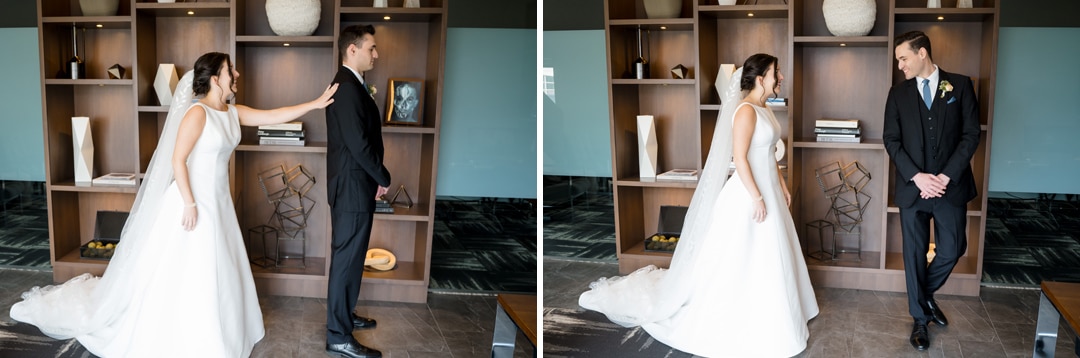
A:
(723, 78)
(165, 83)
(83, 143)
(99, 7)
(647, 146)
(963, 4)
(379, 3)
(293, 17)
(933, 3)
(412, 3)
(849, 17)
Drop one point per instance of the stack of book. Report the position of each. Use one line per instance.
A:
(383, 206)
(115, 179)
(838, 130)
(776, 101)
(678, 174)
(291, 133)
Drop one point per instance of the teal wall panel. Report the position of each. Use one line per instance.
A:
(577, 133)
(22, 144)
(1035, 146)
(488, 137)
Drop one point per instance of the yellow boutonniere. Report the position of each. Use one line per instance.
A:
(372, 90)
(944, 87)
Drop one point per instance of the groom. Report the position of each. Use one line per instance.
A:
(355, 177)
(931, 132)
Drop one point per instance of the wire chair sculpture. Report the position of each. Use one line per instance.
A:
(843, 186)
(287, 192)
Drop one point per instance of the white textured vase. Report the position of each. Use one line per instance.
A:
(849, 17)
(412, 3)
(293, 17)
(379, 3)
(99, 7)
(723, 78)
(726, 2)
(83, 143)
(933, 3)
(647, 146)
(963, 4)
(662, 9)
(165, 83)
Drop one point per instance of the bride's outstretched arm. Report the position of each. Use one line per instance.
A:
(191, 128)
(742, 131)
(257, 117)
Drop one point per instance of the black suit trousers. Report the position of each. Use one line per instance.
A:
(349, 245)
(950, 237)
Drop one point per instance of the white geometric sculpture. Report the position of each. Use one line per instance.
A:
(165, 83)
(933, 4)
(83, 143)
(646, 146)
(293, 17)
(380, 3)
(963, 4)
(723, 78)
(412, 3)
(849, 17)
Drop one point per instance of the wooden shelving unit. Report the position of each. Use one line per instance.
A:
(826, 77)
(275, 70)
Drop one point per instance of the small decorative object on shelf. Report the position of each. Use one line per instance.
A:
(166, 1)
(679, 174)
(287, 191)
(723, 77)
(726, 2)
(118, 179)
(380, 260)
(963, 4)
(849, 17)
(838, 130)
(165, 83)
(647, 147)
(76, 65)
(408, 199)
(406, 101)
(933, 4)
(379, 3)
(679, 71)
(116, 72)
(99, 7)
(291, 133)
(83, 143)
(293, 17)
(640, 67)
(412, 3)
(669, 229)
(107, 231)
(662, 9)
(843, 187)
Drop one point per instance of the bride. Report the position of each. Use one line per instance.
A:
(737, 284)
(179, 283)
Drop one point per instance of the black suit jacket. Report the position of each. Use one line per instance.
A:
(955, 127)
(354, 152)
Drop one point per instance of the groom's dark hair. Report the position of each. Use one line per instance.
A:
(917, 40)
(353, 35)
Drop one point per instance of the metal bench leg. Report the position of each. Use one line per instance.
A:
(502, 344)
(1046, 328)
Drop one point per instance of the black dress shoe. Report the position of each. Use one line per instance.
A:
(362, 322)
(935, 313)
(919, 338)
(352, 349)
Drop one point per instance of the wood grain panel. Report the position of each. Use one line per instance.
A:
(111, 113)
(857, 92)
(90, 203)
(397, 236)
(181, 40)
(253, 208)
(273, 77)
(813, 205)
(675, 116)
(953, 43)
(629, 227)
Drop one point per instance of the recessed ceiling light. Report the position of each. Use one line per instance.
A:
(750, 14)
(190, 12)
(843, 45)
(100, 26)
(387, 17)
(286, 44)
(941, 18)
(663, 27)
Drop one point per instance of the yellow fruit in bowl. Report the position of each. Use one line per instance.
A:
(110, 246)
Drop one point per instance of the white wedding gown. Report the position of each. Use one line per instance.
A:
(187, 293)
(743, 291)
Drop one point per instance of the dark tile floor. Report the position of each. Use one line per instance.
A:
(999, 322)
(447, 326)
(579, 218)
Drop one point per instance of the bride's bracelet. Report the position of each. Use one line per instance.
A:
(192, 205)
(760, 198)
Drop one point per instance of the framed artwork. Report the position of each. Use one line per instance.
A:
(406, 101)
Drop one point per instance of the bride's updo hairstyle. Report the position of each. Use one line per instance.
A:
(208, 65)
(754, 66)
